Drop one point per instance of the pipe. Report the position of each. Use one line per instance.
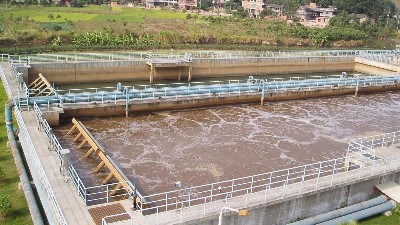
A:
(387, 206)
(25, 183)
(208, 89)
(342, 211)
(39, 188)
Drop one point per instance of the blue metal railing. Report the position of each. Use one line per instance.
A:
(250, 87)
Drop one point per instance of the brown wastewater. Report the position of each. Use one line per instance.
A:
(206, 145)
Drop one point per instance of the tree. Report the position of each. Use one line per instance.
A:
(205, 4)
(240, 13)
(372, 8)
(289, 6)
(341, 20)
(268, 12)
(77, 3)
(232, 4)
(324, 3)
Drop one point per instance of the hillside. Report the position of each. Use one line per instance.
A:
(397, 3)
(38, 28)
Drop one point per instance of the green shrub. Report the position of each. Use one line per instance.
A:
(2, 173)
(2, 28)
(5, 205)
(51, 16)
(56, 26)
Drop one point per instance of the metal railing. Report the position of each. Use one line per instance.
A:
(380, 140)
(5, 83)
(242, 192)
(94, 194)
(228, 189)
(34, 158)
(384, 58)
(363, 150)
(5, 57)
(118, 56)
(252, 87)
(209, 198)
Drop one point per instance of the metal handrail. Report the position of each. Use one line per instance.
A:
(248, 88)
(275, 178)
(35, 58)
(332, 177)
(5, 83)
(39, 168)
(83, 191)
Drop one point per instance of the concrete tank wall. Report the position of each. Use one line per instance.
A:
(290, 210)
(114, 71)
(110, 109)
(369, 66)
(261, 66)
(89, 72)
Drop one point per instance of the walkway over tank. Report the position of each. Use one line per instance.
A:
(390, 189)
(169, 63)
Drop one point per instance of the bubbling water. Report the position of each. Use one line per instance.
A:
(212, 144)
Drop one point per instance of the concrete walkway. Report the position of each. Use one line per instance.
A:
(267, 197)
(66, 194)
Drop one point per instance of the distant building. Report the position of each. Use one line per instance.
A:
(276, 8)
(361, 17)
(314, 16)
(254, 7)
(185, 5)
(159, 3)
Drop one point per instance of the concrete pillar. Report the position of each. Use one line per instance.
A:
(152, 71)
(180, 73)
(357, 86)
(190, 74)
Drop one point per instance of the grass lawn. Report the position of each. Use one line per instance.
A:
(88, 13)
(20, 213)
(382, 220)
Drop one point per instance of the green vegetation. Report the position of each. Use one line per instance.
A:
(5, 206)
(394, 219)
(381, 219)
(13, 207)
(33, 28)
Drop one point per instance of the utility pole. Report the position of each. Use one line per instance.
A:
(387, 19)
(198, 9)
(218, 6)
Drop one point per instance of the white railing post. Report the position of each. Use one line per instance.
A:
(107, 195)
(267, 187)
(319, 173)
(166, 201)
(251, 186)
(333, 172)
